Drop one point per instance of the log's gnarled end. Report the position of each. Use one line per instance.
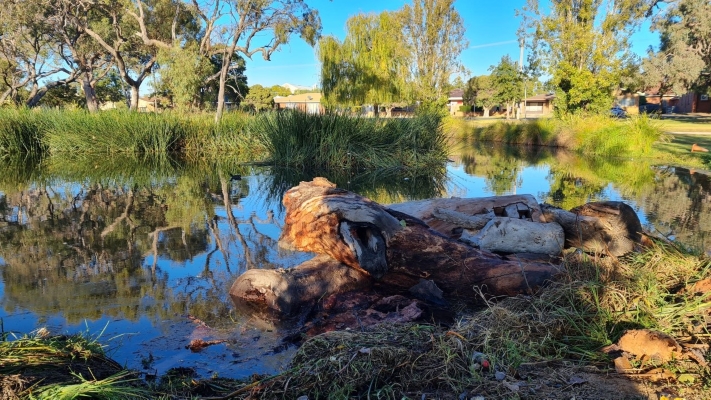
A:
(350, 228)
(369, 246)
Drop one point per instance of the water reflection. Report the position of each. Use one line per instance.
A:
(152, 245)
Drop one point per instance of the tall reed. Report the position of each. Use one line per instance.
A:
(335, 141)
(21, 131)
(81, 133)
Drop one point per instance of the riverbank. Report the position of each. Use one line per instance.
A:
(551, 345)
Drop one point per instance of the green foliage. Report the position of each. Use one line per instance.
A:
(507, 82)
(683, 61)
(394, 57)
(182, 73)
(261, 98)
(594, 135)
(584, 46)
(334, 142)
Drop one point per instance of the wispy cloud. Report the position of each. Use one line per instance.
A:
(284, 66)
(479, 46)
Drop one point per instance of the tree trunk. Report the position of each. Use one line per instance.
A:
(133, 105)
(92, 103)
(486, 112)
(5, 95)
(396, 248)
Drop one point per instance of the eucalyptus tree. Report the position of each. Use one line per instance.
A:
(584, 46)
(370, 66)
(28, 54)
(683, 61)
(243, 27)
(113, 29)
(80, 54)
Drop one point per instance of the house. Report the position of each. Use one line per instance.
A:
(456, 100)
(694, 102)
(307, 102)
(629, 102)
(538, 105)
(653, 100)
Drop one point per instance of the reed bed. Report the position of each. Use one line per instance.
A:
(335, 142)
(587, 134)
(79, 134)
(21, 132)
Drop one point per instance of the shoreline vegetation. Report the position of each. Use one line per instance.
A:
(588, 307)
(328, 142)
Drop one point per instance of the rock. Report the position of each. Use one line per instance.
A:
(650, 346)
(509, 235)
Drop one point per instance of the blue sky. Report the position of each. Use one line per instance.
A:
(490, 28)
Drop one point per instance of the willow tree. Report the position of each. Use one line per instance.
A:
(683, 61)
(369, 66)
(584, 46)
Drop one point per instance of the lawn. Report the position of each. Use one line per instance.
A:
(687, 123)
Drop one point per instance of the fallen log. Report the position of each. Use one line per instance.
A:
(398, 249)
(448, 216)
(287, 291)
(606, 227)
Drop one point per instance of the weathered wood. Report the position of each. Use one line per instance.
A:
(475, 222)
(608, 227)
(452, 220)
(511, 235)
(287, 291)
(397, 248)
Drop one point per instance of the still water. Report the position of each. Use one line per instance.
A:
(142, 253)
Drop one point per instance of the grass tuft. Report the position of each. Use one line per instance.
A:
(338, 142)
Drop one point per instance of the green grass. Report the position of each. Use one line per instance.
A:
(684, 123)
(338, 142)
(42, 366)
(591, 135)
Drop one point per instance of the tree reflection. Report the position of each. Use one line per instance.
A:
(114, 244)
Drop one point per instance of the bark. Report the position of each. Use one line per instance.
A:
(134, 98)
(486, 112)
(396, 248)
(87, 85)
(608, 227)
(288, 291)
(448, 216)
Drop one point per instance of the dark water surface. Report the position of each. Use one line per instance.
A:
(142, 253)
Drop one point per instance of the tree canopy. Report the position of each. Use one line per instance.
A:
(394, 57)
(200, 46)
(683, 61)
(584, 46)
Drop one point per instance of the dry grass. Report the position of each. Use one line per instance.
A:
(590, 306)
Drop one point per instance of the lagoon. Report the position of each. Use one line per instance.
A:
(142, 252)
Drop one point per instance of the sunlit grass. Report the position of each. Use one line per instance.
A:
(335, 142)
